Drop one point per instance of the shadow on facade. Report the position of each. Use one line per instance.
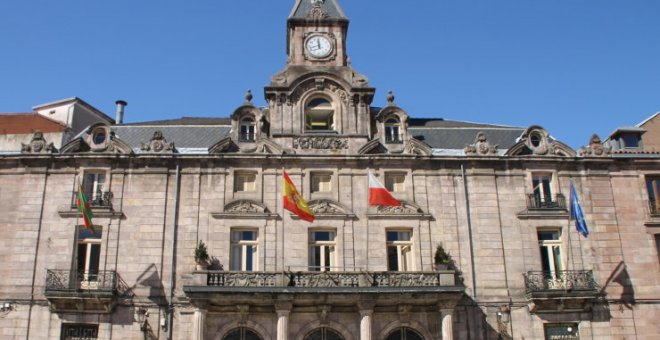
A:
(150, 278)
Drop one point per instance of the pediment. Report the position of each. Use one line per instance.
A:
(330, 209)
(247, 209)
(416, 147)
(225, 145)
(407, 210)
(373, 147)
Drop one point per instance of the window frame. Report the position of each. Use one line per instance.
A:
(95, 183)
(404, 250)
(244, 247)
(250, 127)
(539, 190)
(317, 186)
(393, 186)
(92, 248)
(549, 250)
(242, 181)
(327, 251)
(652, 182)
(319, 113)
(392, 130)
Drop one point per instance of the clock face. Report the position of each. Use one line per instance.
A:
(318, 46)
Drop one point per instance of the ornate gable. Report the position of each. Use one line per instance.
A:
(158, 144)
(481, 147)
(536, 141)
(330, 209)
(98, 138)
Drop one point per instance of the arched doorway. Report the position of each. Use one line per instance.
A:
(404, 333)
(242, 334)
(323, 334)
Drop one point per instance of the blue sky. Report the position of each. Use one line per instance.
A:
(575, 67)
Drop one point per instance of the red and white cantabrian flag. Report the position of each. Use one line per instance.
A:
(378, 194)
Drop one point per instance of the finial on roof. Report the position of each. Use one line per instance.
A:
(390, 98)
(248, 96)
(317, 2)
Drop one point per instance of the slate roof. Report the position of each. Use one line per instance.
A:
(184, 136)
(331, 7)
(203, 132)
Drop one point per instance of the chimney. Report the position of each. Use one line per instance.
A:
(119, 119)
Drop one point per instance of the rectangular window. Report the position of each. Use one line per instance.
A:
(551, 254)
(321, 182)
(630, 140)
(88, 256)
(395, 182)
(94, 186)
(653, 190)
(79, 332)
(541, 186)
(321, 250)
(399, 250)
(561, 331)
(244, 250)
(245, 182)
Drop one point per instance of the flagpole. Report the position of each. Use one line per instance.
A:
(568, 226)
(283, 218)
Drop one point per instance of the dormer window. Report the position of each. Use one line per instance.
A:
(393, 131)
(247, 129)
(319, 115)
(629, 140)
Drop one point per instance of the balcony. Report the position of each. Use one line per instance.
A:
(69, 291)
(545, 207)
(101, 200)
(340, 288)
(535, 201)
(569, 290)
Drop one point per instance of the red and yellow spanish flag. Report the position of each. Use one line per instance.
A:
(293, 201)
(83, 207)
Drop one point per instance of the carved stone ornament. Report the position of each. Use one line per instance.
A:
(320, 143)
(38, 144)
(317, 12)
(481, 146)
(244, 207)
(325, 208)
(158, 144)
(595, 148)
(402, 209)
(318, 84)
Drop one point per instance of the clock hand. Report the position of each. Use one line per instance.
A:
(318, 43)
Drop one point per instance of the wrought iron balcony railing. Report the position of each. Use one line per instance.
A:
(329, 279)
(535, 201)
(562, 281)
(99, 200)
(653, 208)
(72, 281)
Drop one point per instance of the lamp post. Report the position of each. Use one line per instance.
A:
(142, 316)
(503, 318)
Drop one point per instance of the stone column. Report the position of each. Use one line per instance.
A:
(199, 324)
(366, 312)
(283, 310)
(446, 309)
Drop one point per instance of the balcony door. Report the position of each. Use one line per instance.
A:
(541, 185)
(93, 184)
(88, 256)
(551, 256)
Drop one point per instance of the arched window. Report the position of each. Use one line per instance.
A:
(404, 333)
(247, 133)
(241, 334)
(319, 115)
(393, 130)
(323, 334)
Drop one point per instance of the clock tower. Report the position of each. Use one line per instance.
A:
(319, 103)
(316, 33)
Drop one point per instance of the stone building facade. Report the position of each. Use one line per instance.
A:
(495, 198)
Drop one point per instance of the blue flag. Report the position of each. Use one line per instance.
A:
(577, 214)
